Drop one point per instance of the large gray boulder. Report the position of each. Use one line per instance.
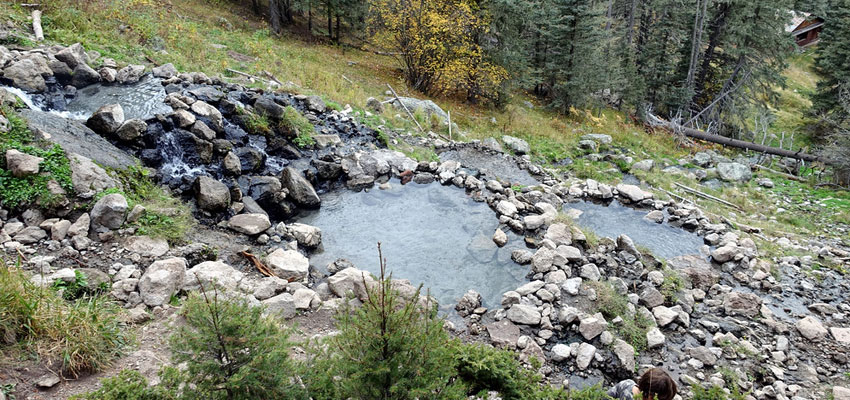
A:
(205, 110)
(165, 71)
(633, 193)
(77, 138)
(162, 280)
(523, 314)
(108, 213)
(516, 144)
(25, 74)
(307, 235)
(288, 264)
(300, 189)
(249, 224)
(734, 172)
(211, 274)
(146, 246)
(351, 281)
(282, 305)
(130, 74)
(73, 55)
(83, 76)
(131, 130)
(211, 194)
(739, 303)
(316, 104)
(87, 177)
(625, 354)
(811, 328)
(21, 164)
(426, 106)
(107, 119)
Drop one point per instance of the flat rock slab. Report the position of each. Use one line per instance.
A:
(503, 333)
(77, 138)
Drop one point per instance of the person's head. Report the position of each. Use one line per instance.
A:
(655, 384)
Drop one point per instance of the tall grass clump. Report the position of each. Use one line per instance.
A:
(81, 336)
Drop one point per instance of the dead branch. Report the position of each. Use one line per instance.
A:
(707, 196)
(258, 264)
(410, 114)
(782, 174)
(272, 77)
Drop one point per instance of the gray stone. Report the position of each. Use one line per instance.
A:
(523, 314)
(72, 55)
(282, 305)
(107, 74)
(288, 264)
(500, 238)
(654, 338)
(323, 141)
(560, 352)
(306, 235)
(204, 109)
(266, 106)
(249, 224)
(503, 333)
(507, 208)
(811, 328)
(560, 234)
(426, 106)
(572, 286)
(83, 76)
(645, 165)
(59, 230)
(841, 335)
(625, 354)
(211, 274)
(211, 194)
(584, 355)
(651, 297)
(492, 144)
(201, 130)
(131, 130)
(147, 246)
(305, 299)
(374, 105)
(161, 280)
(107, 119)
(231, 164)
(30, 235)
(87, 177)
(75, 137)
(299, 188)
(25, 74)
(664, 316)
(655, 216)
(633, 193)
(592, 326)
(108, 213)
(734, 172)
(738, 303)
(269, 287)
(516, 145)
(599, 138)
(80, 227)
(165, 71)
(840, 393)
(468, 303)
(351, 280)
(130, 74)
(47, 381)
(316, 104)
(22, 164)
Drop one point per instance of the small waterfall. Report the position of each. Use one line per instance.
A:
(32, 104)
(173, 166)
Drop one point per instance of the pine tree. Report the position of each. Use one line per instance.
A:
(390, 348)
(831, 62)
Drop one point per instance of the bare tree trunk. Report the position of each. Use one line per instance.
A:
(330, 21)
(696, 42)
(275, 19)
(717, 27)
(631, 29)
(609, 15)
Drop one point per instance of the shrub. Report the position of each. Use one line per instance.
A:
(612, 304)
(482, 368)
(78, 288)
(84, 335)
(389, 348)
(231, 351)
(127, 385)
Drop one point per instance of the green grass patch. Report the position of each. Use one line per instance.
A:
(612, 304)
(164, 217)
(298, 125)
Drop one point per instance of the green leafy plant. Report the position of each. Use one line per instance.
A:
(21, 191)
(257, 124)
(75, 289)
(612, 304)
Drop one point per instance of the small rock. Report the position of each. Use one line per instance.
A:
(249, 224)
(500, 238)
(811, 328)
(22, 164)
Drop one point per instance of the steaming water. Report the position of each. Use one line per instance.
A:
(142, 99)
(615, 219)
(430, 234)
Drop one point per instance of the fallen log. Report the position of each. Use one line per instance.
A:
(707, 196)
(719, 139)
(782, 174)
(36, 25)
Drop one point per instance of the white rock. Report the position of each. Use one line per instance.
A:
(288, 264)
